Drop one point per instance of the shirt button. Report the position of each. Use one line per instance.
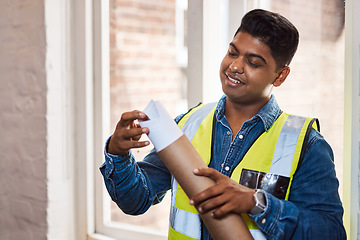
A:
(228, 132)
(241, 136)
(263, 221)
(227, 168)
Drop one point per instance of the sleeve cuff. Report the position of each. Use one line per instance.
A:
(111, 160)
(267, 219)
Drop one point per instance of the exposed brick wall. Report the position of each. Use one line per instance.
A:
(315, 86)
(143, 66)
(23, 188)
(143, 55)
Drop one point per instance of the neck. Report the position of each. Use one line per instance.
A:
(237, 113)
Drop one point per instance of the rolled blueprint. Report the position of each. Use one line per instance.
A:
(181, 158)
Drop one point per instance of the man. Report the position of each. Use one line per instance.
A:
(274, 169)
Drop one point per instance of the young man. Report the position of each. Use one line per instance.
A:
(274, 169)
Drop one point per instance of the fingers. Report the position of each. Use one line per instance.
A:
(220, 200)
(209, 200)
(128, 118)
(129, 138)
(224, 197)
(223, 211)
(128, 133)
(132, 133)
(212, 191)
(212, 197)
(209, 172)
(205, 195)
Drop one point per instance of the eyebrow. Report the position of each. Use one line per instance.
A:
(250, 54)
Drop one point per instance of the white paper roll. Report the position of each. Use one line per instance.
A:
(162, 128)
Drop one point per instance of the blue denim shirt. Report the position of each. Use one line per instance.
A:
(314, 209)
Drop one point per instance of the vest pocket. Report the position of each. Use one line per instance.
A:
(270, 182)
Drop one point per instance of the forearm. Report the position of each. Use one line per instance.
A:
(127, 184)
(134, 186)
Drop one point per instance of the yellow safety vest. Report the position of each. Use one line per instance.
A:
(276, 153)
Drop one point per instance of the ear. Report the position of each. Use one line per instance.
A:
(282, 75)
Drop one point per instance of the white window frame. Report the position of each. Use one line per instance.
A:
(181, 49)
(91, 102)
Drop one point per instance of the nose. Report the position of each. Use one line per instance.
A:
(236, 66)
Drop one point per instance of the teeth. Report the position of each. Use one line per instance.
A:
(233, 80)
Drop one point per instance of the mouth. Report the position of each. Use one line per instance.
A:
(233, 80)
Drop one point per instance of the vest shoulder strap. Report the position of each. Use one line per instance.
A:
(185, 117)
(192, 120)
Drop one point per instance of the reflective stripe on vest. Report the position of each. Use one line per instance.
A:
(257, 235)
(185, 222)
(285, 146)
(283, 143)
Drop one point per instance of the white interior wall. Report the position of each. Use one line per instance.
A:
(23, 132)
(36, 115)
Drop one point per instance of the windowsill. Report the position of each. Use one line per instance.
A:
(115, 231)
(124, 235)
(96, 236)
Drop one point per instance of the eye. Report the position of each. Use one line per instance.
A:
(252, 64)
(232, 53)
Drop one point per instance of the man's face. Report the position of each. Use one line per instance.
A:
(248, 70)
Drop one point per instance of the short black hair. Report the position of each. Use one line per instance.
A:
(274, 30)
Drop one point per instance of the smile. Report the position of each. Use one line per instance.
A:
(233, 80)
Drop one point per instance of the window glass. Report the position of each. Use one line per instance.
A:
(147, 60)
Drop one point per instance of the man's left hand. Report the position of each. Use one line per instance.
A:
(226, 196)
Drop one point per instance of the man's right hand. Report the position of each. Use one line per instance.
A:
(127, 133)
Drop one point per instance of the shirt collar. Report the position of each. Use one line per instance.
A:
(268, 114)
